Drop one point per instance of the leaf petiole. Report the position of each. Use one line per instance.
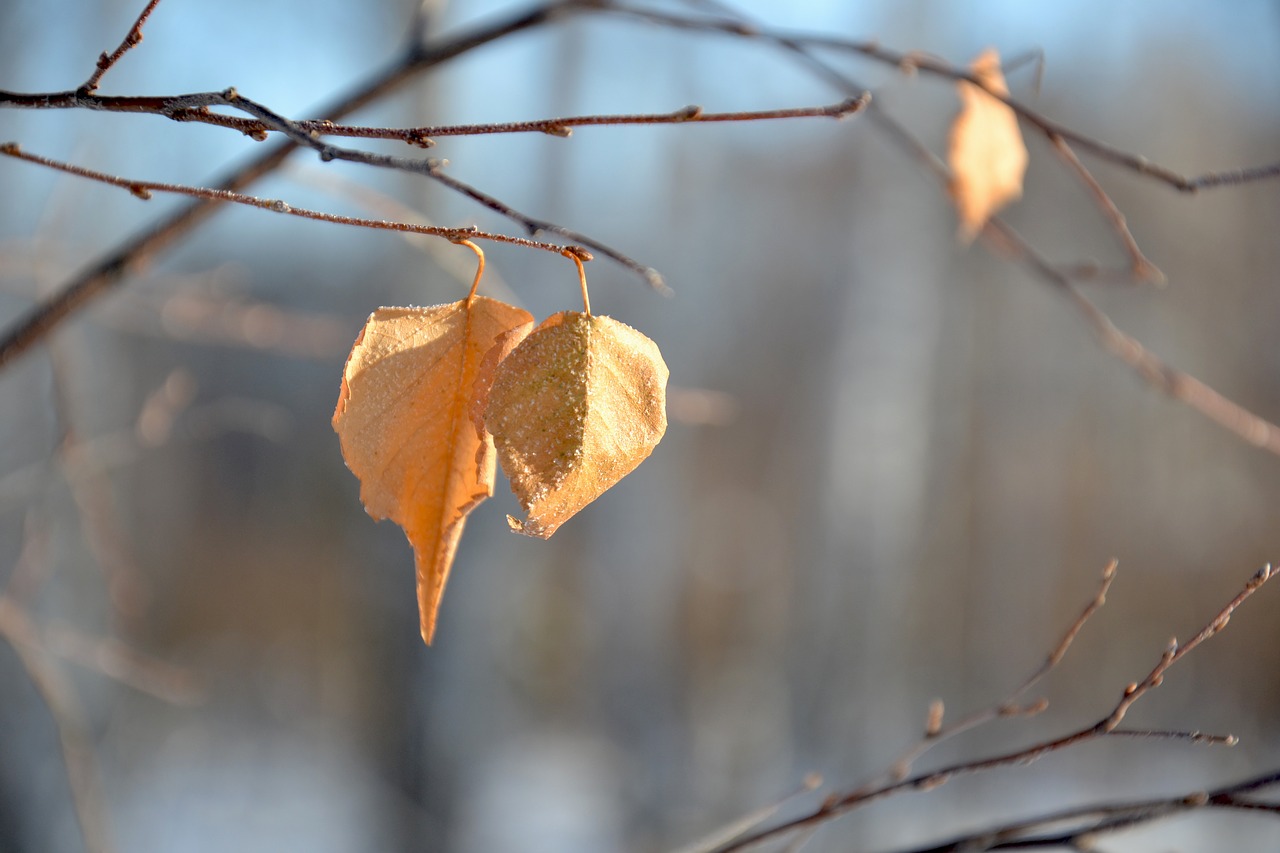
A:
(576, 257)
(471, 295)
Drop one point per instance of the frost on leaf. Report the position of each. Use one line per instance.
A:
(404, 421)
(987, 156)
(574, 409)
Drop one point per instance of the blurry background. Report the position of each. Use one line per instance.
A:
(895, 470)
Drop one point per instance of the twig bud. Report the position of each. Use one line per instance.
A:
(933, 722)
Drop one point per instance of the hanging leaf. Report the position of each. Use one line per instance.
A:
(404, 421)
(987, 156)
(574, 409)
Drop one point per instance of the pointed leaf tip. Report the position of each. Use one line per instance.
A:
(404, 420)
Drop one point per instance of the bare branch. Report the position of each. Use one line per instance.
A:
(747, 822)
(839, 804)
(110, 270)
(562, 126)
(131, 40)
(1059, 651)
(194, 107)
(1086, 822)
(1010, 706)
(143, 190)
(1178, 384)
(1141, 268)
(1175, 652)
(1165, 734)
(918, 62)
(432, 169)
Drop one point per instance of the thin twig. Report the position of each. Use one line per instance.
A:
(839, 804)
(110, 270)
(541, 226)
(1010, 706)
(736, 828)
(917, 62)
(1175, 652)
(143, 190)
(1177, 384)
(1035, 55)
(1155, 371)
(386, 207)
(432, 169)
(1166, 734)
(131, 40)
(194, 107)
(688, 115)
(1086, 822)
(1141, 268)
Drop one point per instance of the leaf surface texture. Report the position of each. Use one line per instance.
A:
(574, 408)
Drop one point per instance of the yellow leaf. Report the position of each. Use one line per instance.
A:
(404, 421)
(987, 156)
(574, 409)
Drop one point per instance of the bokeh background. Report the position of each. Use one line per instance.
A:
(896, 466)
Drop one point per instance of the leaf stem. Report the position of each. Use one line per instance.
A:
(471, 295)
(576, 257)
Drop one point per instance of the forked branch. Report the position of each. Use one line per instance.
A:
(1012, 705)
(110, 270)
(131, 40)
(1107, 726)
(915, 61)
(1178, 384)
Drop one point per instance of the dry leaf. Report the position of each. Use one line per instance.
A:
(501, 348)
(574, 409)
(404, 420)
(987, 156)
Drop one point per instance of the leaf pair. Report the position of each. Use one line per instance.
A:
(575, 405)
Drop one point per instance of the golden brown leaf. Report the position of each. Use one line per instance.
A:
(404, 421)
(574, 409)
(987, 156)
